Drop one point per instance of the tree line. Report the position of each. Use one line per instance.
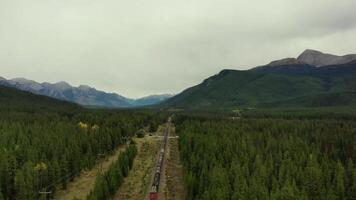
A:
(268, 158)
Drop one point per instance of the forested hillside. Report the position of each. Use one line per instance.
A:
(269, 158)
(16, 100)
(272, 86)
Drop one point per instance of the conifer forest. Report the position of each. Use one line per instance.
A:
(44, 151)
(268, 158)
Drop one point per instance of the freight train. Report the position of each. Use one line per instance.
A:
(159, 165)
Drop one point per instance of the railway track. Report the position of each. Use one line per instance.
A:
(159, 164)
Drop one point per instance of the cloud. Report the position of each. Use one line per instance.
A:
(141, 47)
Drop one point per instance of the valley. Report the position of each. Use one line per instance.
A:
(178, 100)
(285, 130)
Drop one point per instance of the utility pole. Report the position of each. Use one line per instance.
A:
(41, 168)
(125, 139)
(101, 155)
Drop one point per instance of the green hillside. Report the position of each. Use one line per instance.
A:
(317, 100)
(326, 86)
(16, 100)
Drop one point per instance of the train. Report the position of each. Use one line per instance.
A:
(158, 169)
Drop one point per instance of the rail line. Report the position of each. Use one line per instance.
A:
(159, 165)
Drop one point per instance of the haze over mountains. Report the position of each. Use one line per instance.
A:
(83, 94)
(312, 79)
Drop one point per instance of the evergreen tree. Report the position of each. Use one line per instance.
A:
(339, 181)
(352, 188)
(20, 185)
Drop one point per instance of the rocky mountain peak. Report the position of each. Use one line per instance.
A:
(22, 80)
(25, 84)
(315, 58)
(84, 87)
(62, 85)
(318, 58)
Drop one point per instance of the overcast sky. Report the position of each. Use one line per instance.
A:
(141, 47)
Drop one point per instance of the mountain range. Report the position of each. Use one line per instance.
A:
(83, 94)
(313, 79)
(12, 99)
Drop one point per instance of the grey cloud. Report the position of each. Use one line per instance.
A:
(141, 47)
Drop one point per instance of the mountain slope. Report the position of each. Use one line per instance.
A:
(292, 85)
(16, 100)
(317, 100)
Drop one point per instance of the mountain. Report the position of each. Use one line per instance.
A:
(83, 94)
(289, 83)
(318, 59)
(315, 58)
(151, 100)
(12, 99)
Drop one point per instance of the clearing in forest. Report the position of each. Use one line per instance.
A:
(136, 184)
(172, 183)
(84, 183)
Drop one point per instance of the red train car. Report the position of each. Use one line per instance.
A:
(153, 196)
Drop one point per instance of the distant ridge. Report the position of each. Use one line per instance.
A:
(285, 61)
(315, 58)
(83, 94)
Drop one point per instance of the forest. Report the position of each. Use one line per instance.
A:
(278, 157)
(42, 151)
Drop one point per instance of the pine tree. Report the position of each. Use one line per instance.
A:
(352, 188)
(287, 192)
(339, 181)
(240, 190)
(1, 195)
(313, 179)
(20, 186)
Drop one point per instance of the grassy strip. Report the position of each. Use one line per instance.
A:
(108, 183)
